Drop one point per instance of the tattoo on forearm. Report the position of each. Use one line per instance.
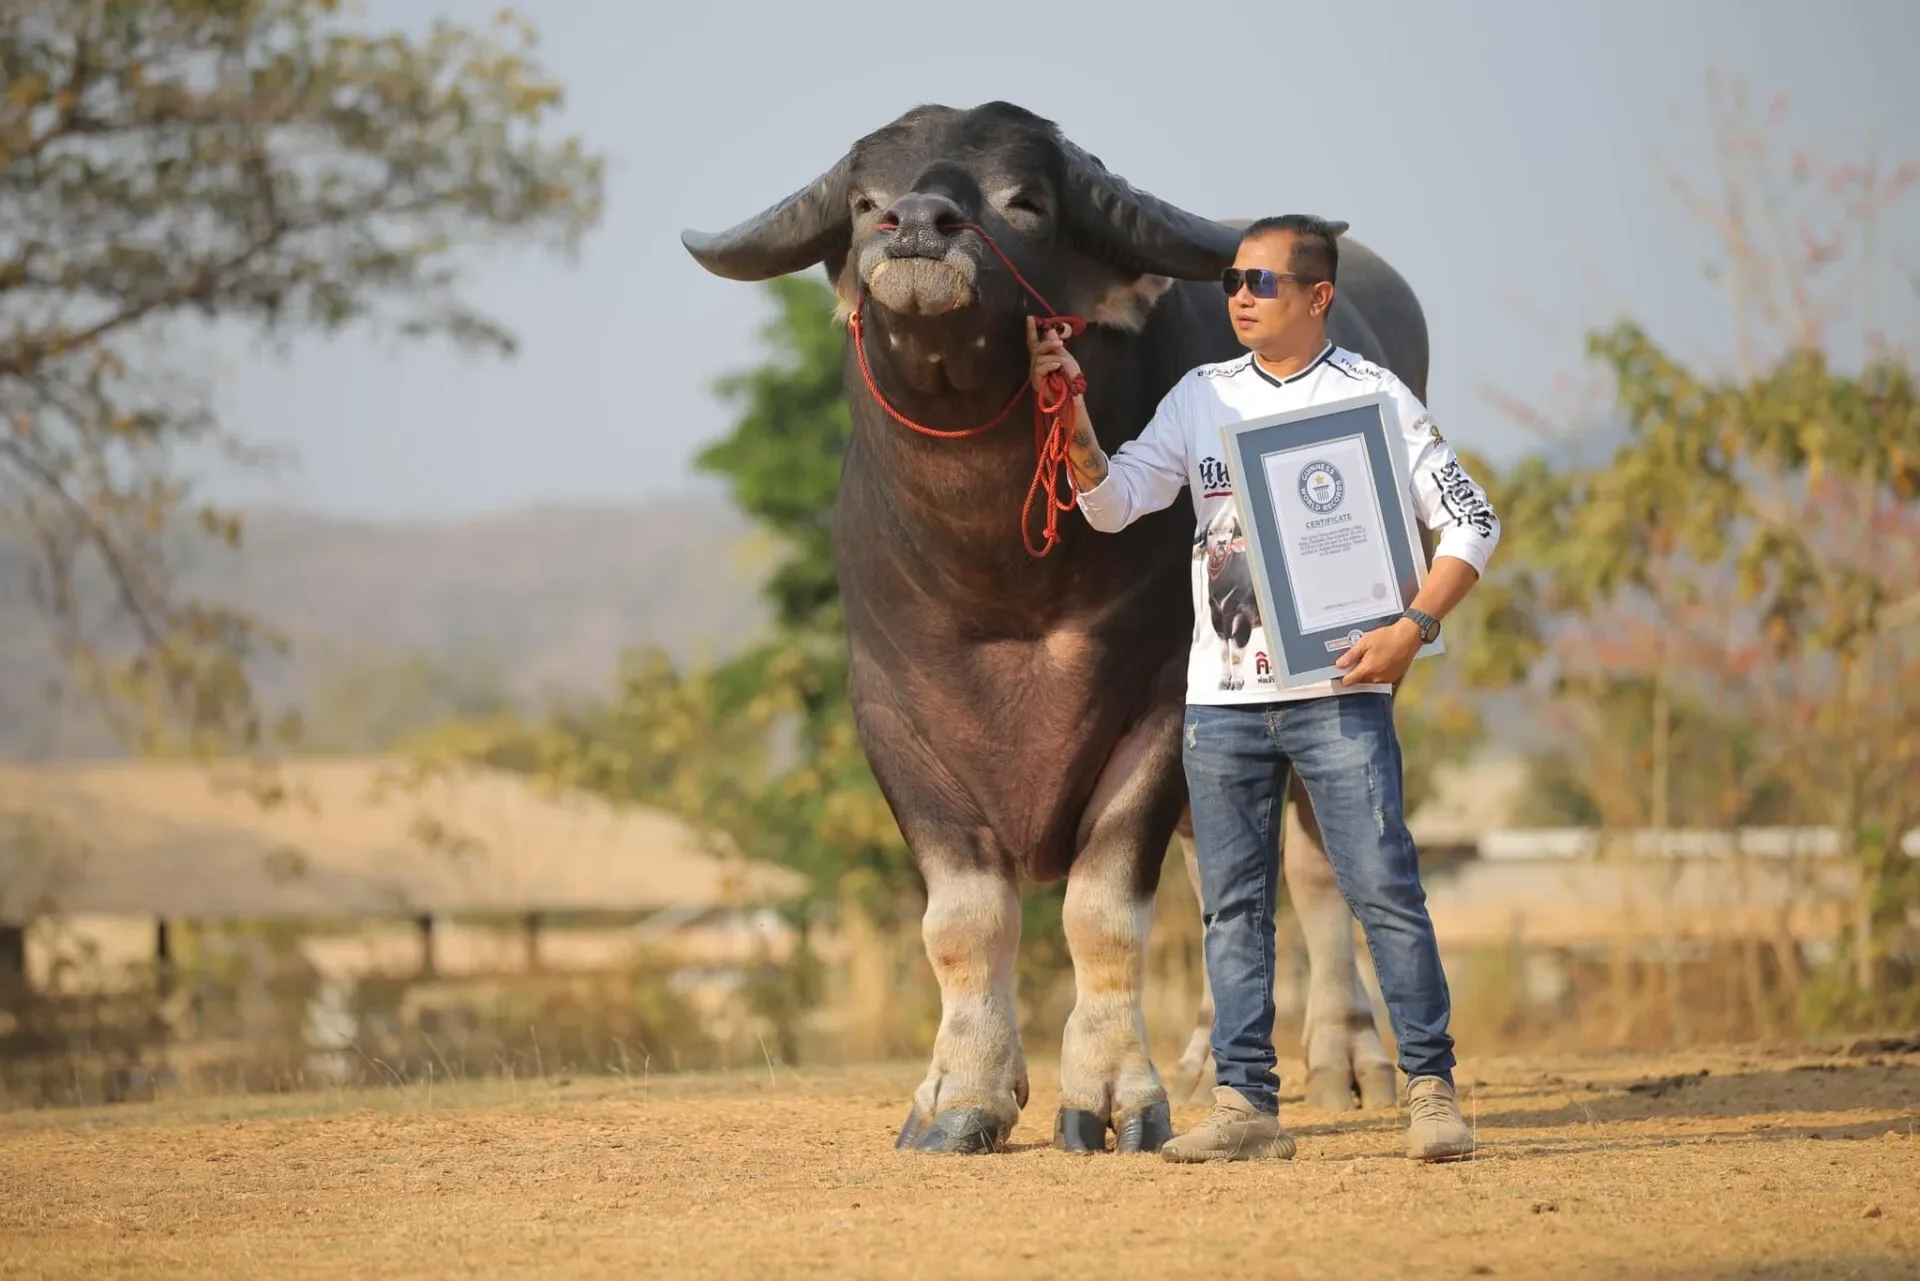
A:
(1088, 460)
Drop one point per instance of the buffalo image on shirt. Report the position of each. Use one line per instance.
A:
(1232, 605)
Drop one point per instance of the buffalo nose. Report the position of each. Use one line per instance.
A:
(921, 223)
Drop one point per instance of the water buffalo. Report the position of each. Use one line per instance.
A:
(1022, 713)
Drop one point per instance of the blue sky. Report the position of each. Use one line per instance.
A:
(1498, 153)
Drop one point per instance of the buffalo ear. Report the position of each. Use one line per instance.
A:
(810, 226)
(846, 290)
(1119, 301)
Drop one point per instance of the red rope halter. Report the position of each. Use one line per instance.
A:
(1052, 412)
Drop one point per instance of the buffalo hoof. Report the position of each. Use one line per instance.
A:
(1189, 1079)
(1330, 1089)
(910, 1132)
(969, 1131)
(1379, 1087)
(1146, 1130)
(1078, 1130)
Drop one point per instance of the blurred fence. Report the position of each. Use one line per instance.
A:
(1549, 941)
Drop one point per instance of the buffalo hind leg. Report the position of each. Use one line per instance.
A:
(977, 1082)
(1193, 1077)
(1343, 1046)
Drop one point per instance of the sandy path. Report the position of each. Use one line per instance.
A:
(1771, 1165)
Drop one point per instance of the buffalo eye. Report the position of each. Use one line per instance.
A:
(863, 205)
(1028, 205)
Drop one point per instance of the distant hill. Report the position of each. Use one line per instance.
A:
(544, 599)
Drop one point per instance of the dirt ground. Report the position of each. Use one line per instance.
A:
(1802, 1164)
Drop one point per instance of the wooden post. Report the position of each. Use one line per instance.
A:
(428, 968)
(162, 958)
(13, 959)
(531, 923)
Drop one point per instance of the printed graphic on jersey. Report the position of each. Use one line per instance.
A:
(1464, 500)
(1232, 607)
(1322, 487)
(1213, 478)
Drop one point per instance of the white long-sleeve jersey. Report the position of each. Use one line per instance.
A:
(1181, 447)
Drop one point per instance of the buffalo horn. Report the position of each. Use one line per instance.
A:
(1134, 231)
(807, 227)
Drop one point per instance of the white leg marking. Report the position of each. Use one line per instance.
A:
(972, 931)
(1193, 1074)
(1104, 1065)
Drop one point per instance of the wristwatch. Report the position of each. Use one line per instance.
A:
(1429, 625)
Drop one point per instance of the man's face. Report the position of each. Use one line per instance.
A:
(1296, 310)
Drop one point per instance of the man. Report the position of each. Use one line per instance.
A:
(1243, 734)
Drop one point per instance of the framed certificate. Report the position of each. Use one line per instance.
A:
(1324, 502)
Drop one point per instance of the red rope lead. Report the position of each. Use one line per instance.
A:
(1053, 414)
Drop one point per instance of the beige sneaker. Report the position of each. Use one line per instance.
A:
(1438, 1132)
(1234, 1131)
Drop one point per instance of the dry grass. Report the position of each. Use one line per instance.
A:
(1774, 1164)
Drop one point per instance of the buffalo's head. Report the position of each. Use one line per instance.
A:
(1223, 539)
(889, 220)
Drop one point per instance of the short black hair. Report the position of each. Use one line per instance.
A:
(1314, 252)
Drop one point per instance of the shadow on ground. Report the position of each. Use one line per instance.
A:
(1705, 1094)
(1853, 1267)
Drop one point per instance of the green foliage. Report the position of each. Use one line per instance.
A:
(1733, 593)
(824, 813)
(1728, 778)
(784, 455)
(257, 163)
(1725, 471)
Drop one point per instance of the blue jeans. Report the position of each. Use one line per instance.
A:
(1348, 756)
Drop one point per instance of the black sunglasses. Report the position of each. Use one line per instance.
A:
(1259, 281)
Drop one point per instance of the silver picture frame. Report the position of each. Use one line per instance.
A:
(1300, 654)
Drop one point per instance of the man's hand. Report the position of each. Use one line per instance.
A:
(1086, 461)
(1381, 656)
(1049, 355)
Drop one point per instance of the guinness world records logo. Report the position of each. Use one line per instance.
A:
(1321, 486)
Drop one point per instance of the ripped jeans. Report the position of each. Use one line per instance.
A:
(1348, 756)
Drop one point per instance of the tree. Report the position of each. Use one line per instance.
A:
(783, 458)
(254, 164)
(1729, 596)
(1801, 488)
(782, 462)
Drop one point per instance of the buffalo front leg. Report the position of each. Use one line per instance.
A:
(1343, 1047)
(977, 1082)
(1107, 1077)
